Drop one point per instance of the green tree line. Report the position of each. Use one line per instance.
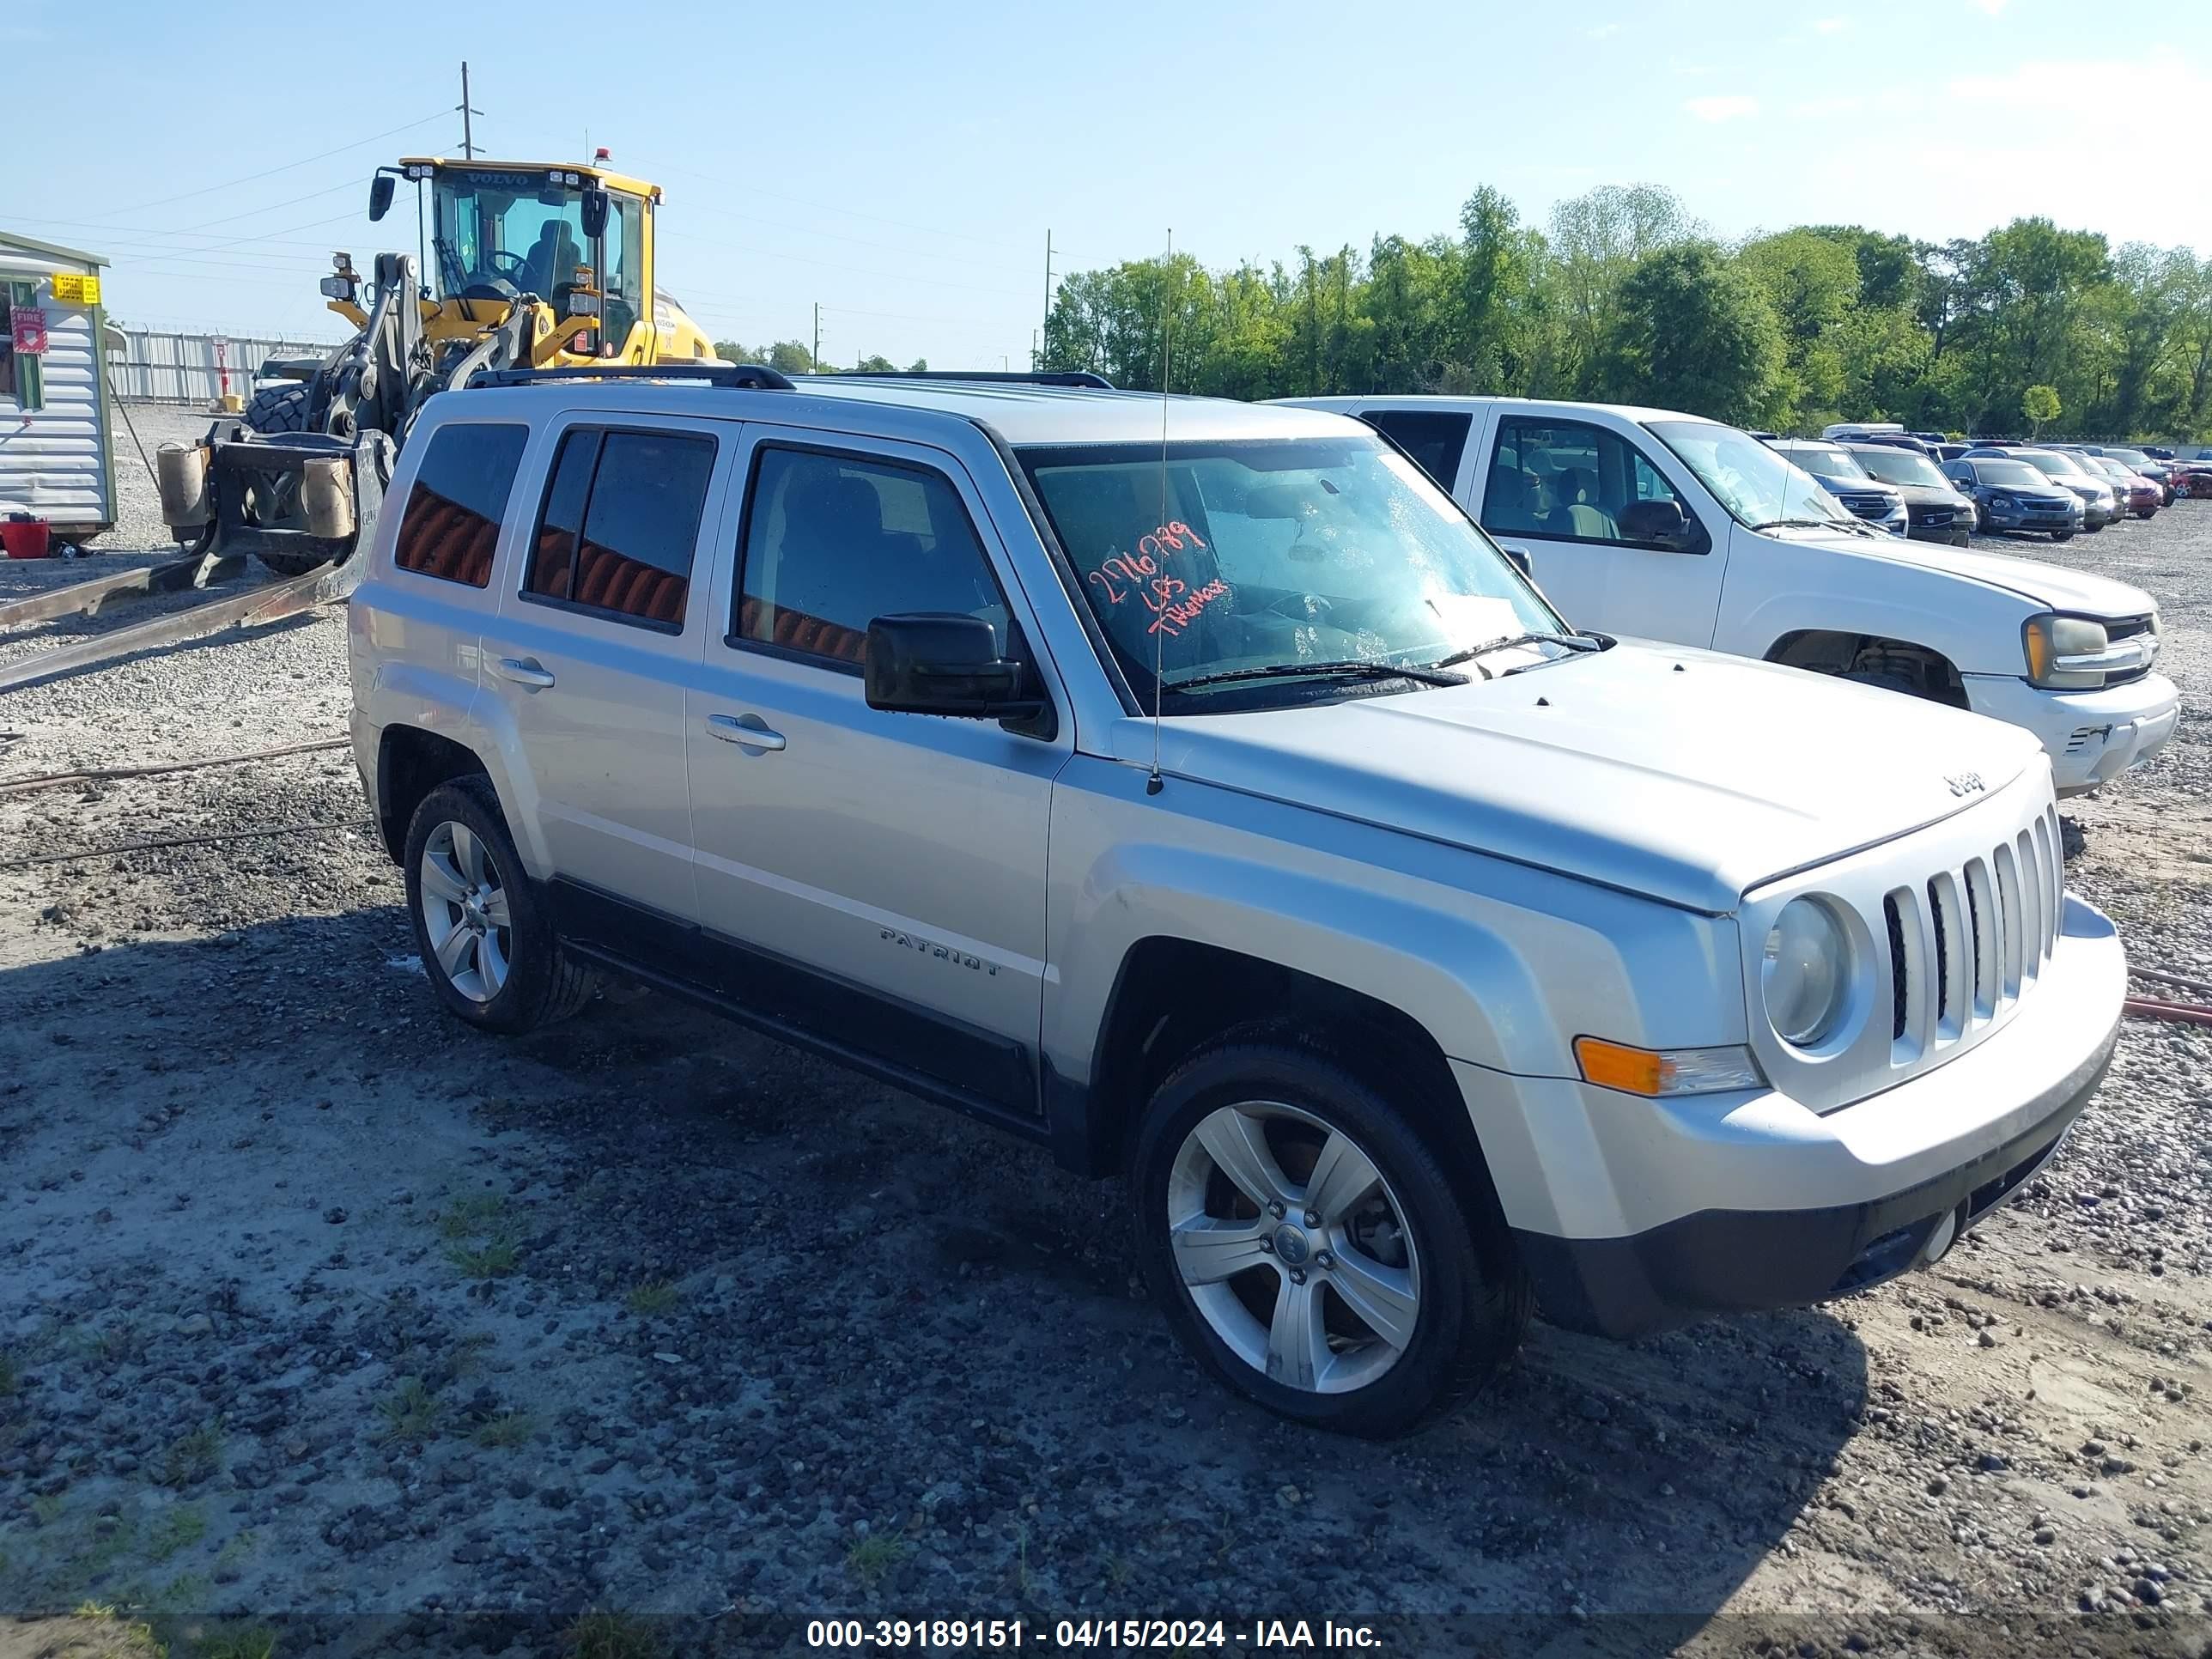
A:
(794, 357)
(1624, 298)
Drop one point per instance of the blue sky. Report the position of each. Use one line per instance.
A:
(902, 164)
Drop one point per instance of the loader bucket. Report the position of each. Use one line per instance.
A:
(297, 499)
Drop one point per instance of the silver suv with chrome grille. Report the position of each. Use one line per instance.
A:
(1194, 790)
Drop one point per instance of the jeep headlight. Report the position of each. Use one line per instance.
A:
(1805, 975)
(2068, 654)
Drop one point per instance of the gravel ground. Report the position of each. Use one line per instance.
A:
(323, 1314)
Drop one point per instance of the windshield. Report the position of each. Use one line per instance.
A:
(1252, 556)
(1826, 462)
(1900, 466)
(2130, 456)
(2052, 463)
(2016, 475)
(502, 230)
(1756, 485)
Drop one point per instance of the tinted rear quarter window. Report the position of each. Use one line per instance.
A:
(450, 526)
(1434, 437)
(621, 523)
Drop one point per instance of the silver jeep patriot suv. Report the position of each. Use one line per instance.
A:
(1193, 788)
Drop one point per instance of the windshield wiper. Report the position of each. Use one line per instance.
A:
(1806, 524)
(1362, 667)
(1576, 642)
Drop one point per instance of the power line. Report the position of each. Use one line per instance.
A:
(145, 230)
(358, 143)
(293, 201)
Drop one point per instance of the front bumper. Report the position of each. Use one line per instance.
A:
(1953, 530)
(1635, 1216)
(2092, 737)
(2017, 518)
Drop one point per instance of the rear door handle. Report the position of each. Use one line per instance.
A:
(525, 671)
(745, 730)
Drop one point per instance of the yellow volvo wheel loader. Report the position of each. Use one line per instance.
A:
(518, 265)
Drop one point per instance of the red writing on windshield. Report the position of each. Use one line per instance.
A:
(1175, 610)
(1126, 573)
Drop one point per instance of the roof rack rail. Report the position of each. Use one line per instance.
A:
(1074, 377)
(741, 377)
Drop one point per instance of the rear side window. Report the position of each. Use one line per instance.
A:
(1434, 437)
(451, 526)
(620, 524)
(832, 542)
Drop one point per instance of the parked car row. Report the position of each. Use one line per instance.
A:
(1915, 483)
(1225, 807)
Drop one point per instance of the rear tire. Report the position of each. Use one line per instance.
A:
(486, 938)
(1401, 1298)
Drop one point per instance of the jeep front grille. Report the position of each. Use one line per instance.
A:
(1951, 926)
(1971, 941)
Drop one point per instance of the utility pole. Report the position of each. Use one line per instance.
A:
(468, 132)
(818, 334)
(1037, 356)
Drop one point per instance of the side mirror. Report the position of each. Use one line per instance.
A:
(947, 664)
(595, 211)
(1518, 558)
(380, 195)
(1660, 523)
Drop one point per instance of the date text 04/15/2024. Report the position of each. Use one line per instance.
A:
(1287, 1636)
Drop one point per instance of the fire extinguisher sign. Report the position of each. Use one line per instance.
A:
(29, 329)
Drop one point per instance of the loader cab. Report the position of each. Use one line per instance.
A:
(497, 232)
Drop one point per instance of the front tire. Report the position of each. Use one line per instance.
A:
(278, 410)
(1314, 1247)
(487, 942)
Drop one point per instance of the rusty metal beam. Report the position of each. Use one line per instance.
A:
(260, 605)
(85, 598)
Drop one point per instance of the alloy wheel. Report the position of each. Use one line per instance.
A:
(465, 911)
(1293, 1246)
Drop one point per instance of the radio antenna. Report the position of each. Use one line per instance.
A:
(1152, 784)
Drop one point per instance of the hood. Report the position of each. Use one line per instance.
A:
(1683, 776)
(2083, 487)
(2046, 491)
(1929, 495)
(1836, 486)
(2049, 586)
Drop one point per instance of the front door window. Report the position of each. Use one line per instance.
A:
(1569, 480)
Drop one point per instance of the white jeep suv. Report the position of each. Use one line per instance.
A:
(1669, 526)
(1423, 959)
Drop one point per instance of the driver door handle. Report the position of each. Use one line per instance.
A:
(745, 731)
(525, 671)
